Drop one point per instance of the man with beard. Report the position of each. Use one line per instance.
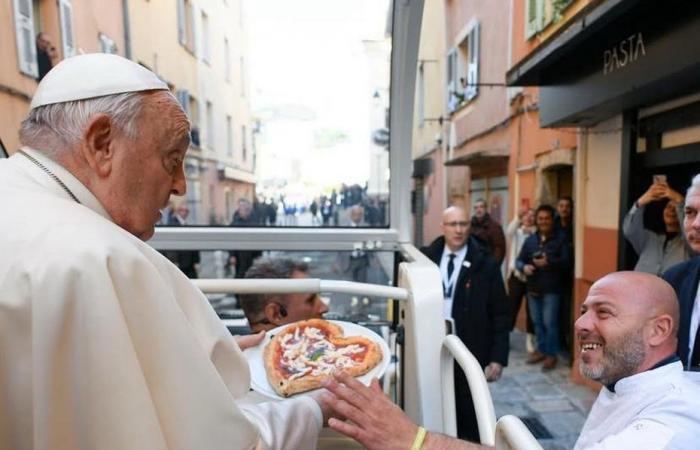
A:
(484, 227)
(627, 338)
(684, 278)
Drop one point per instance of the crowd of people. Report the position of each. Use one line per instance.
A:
(106, 344)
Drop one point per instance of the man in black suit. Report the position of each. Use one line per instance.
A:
(186, 260)
(684, 278)
(475, 299)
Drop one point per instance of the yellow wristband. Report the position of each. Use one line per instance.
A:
(418, 440)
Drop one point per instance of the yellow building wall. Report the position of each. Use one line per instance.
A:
(91, 17)
(161, 51)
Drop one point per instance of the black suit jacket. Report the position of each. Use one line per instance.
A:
(184, 259)
(684, 278)
(480, 307)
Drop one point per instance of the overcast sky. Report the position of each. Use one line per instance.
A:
(310, 53)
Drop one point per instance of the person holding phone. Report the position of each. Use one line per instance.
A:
(545, 259)
(659, 243)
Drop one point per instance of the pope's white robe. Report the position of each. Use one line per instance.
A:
(105, 344)
(653, 410)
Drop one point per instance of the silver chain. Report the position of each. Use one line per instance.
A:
(51, 175)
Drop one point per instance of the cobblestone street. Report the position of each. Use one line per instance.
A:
(559, 405)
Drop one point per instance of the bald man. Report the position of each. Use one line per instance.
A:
(475, 298)
(627, 338)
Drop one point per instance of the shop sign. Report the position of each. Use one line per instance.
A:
(625, 52)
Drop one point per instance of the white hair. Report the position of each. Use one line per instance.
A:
(58, 127)
(695, 184)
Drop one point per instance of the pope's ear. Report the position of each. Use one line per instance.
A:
(98, 144)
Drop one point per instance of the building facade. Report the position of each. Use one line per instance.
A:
(37, 34)
(622, 71)
(429, 146)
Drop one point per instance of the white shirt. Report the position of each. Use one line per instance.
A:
(461, 254)
(653, 410)
(106, 345)
(694, 322)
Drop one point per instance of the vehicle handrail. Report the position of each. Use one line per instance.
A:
(511, 433)
(304, 285)
(454, 349)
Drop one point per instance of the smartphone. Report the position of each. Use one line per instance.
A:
(659, 179)
(538, 254)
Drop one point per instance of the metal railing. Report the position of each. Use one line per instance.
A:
(512, 434)
(454, 350)
(291, 286)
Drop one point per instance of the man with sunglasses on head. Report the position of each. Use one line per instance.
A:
(267, 311)
(475, 298)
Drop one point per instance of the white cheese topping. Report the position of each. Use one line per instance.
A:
(312, 352)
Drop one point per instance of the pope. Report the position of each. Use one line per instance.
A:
(104, 343)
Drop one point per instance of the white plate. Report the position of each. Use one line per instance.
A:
(258, 376)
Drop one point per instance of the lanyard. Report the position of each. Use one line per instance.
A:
(447, 284)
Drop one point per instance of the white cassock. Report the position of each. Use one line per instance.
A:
(653, 410)
(105, 344)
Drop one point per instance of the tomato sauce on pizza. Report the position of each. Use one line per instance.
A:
(302, 355)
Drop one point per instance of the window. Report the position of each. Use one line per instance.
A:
(210, 125)
(540, 13)
(24, 31)
(185, 24)
(421, 95)
(244, 142)
(242, 78)
(227, 60)
(463, 70)
(107, 45)
(206, 56)
(66, 18)
(229, 136)
(195, 122)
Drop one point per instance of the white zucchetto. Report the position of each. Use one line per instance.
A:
(94, 75)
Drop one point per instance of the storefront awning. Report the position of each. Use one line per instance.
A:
(482, 162)
(615, 56)
(532, 71)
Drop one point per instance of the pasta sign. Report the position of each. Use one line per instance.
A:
(626, 52)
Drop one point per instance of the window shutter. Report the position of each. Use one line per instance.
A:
(473, 65)
(24, 30)
(193, 27)
(66, 17)
(534, 16)
(181, 22)
(452, 74)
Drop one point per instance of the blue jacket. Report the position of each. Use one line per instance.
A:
(549, 279)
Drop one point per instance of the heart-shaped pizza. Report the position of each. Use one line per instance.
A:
(302, 355)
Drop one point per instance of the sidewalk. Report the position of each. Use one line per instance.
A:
(551, 405)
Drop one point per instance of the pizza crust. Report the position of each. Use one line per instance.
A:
(279, 378)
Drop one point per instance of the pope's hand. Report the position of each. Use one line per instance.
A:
(373, 420)
(251, 340)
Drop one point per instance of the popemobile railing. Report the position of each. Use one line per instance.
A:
(509, 432)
